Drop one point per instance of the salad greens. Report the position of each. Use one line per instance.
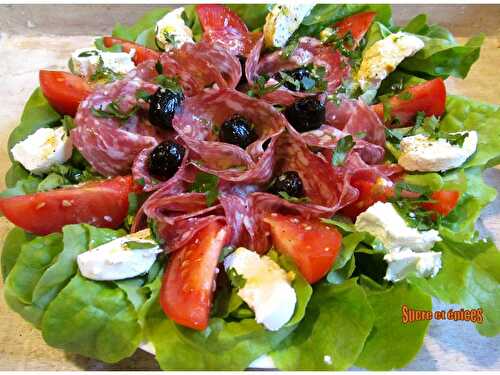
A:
(351, 318)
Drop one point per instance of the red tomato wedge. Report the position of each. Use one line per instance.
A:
(370, 191)
(358, 24)
(428, 97)
(64, 91)
(100, 203)
(188, 283)
(312, 244)
(141, 53)
(446, 201)
(218, 17)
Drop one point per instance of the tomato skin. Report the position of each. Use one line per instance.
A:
(446, 201)
(312, 245)
(428, 97)
(218, 17)
(141, 53)
(100, 203)
(370, 191)
(64, 91)
(188, 283)
(358, 24)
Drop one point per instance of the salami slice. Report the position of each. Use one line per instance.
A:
(109, 144)
(199, 120)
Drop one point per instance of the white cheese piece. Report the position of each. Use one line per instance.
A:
(383, 222)
(404, 263)
(43, 149)
(115, 261)
(384, 56)
(282, 21)
(267, 289)
(419, 153)
(86, 60)
(172, 32)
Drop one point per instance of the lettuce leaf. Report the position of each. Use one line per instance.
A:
(392, 344)
(332, 334)
(466, 114)
(94, 319)
(12, 245)
(147, 22)
(470, 276)
(253, 15)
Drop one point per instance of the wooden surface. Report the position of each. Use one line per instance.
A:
(35, 37)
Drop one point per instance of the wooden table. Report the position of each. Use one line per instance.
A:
(35, 37)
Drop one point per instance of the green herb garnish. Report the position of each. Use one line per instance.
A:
(289, 198)
(89, 53)
(112, 110)
(206, 183)
(142, 94)
(139, 245)
(237, 280)
(344, 145)
(103, 73)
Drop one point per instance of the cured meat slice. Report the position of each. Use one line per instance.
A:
(109, 144)
(233, 41)
(196, 67)
(198, 123)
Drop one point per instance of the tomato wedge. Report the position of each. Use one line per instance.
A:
(100, 203)
(358, 24)
(428, 97)
(188, 283)
(64, 91)
(219, 17)
(312, 244)
(141, 53)
(446, 201)
(371, 190)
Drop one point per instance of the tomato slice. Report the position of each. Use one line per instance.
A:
(358, 24)
(219, 17)
(188, 283)
(141, 53)
(371, 190)
(100, 203)
(64, 91)
(428, 97)
(446, 201)
(312, 244)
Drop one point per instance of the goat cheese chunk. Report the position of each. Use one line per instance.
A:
(43, 149)
(172, 32)
(122, 258)
(384, 56)
(419, 153)
(267, 288)
(408, 250)
(282, 21)
(404, 263)
(85, 61)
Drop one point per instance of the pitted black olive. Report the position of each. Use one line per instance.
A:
(238, 131)
(299, 75)
(165, 160)
(306, 114)
(162, 107)
(288, 182)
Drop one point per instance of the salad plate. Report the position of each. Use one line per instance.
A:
(254, 185)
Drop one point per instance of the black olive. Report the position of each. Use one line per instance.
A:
(165, 160)
(306, 114)
(297, 74)
(290, 183)
(243, 78)
(163, 105)
(237, 131)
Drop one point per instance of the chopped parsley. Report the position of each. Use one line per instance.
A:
(206, 183)
(159, 67)
(89, 53)
(237, 280)
(291, 199)
(104, 74)
(113, 110)
(155, 233)
(226, 250)
(405, 95)
(139, 245)
(142, 94)
(168, 82)
(344, 145)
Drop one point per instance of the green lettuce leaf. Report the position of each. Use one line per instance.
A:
(147, 22)
(332, 334)
(221, 346)
(392, 344)
(343, 267)
(12, 245)
(94, 319)
(466, 114)
(253, 15)
(470, 276)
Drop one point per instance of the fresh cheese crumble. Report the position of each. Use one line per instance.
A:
(85, 61)
(172, 32)
(43, 149)
(282, 21)
(419, 153)
(267, 288)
